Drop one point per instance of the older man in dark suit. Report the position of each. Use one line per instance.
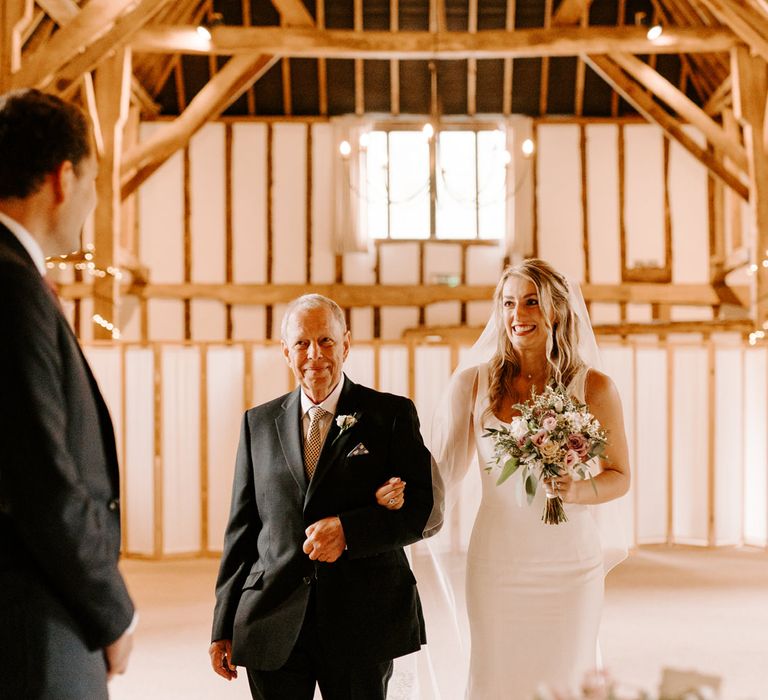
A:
(314, 586)
(64, 610)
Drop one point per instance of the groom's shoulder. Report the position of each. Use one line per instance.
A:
(268, 407)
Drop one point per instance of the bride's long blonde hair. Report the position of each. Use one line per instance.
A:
(562, 341)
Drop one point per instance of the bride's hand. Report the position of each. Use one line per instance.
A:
(392, 494)
(563, 486)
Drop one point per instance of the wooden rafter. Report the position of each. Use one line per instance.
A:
(645, 104)
(685, 107)
(509, 25)
(293, 13)
(750, 26)
(472, 62)
(394, 64)
(570, 12)
(15, 15)
(75, 40)
(239, 73)
(490, 43)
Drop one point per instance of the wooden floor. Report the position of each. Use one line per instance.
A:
(681, 607)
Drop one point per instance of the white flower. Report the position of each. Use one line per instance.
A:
(518, 428)
(346, 422)
(558, 404)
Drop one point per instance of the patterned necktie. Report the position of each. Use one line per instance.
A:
(313, 444)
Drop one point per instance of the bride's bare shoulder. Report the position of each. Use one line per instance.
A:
(599, 388)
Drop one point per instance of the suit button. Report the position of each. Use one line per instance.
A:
(307, 579)
(114, 504)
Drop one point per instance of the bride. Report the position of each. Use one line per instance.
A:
(534, 591)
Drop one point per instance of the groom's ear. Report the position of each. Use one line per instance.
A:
(347, 342)
(286, 353)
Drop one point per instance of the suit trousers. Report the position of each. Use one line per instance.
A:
(308, 665)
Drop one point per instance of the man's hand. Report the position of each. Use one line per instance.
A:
(325, 540)
(116, 654)
(220, 652)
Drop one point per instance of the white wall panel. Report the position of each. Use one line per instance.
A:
(209, 320)
(650, 467)
(323, 261)
(181, 449)
(107, 366)
(756, 446)
(166, 319)
(479, 312)
(688, 202)
(359, 365)
(446, 313)
(690, 454)
(139, 467)
(618, 363)
(207, 182)
(441, 261)
(161, 217)
(604, 313)
(393, 369)
(249, 203)
(271, 375)
(249, 322)
(729, 445)
(357, 268)
(225, 376)
(484, 264)
(395, 319)
(399, 263)
(644, 193)
(129, 318)
(560, 231)
(361, 323)
(603, 203)
(289, 202)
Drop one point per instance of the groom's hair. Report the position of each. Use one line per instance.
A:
(38, 132)
(313, 301)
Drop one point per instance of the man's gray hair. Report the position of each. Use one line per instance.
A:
(313, 301)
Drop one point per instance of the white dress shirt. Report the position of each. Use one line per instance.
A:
(27, 240)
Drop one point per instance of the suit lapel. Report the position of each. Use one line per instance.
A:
(334, 445)
(288, 424)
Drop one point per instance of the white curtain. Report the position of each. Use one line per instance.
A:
(350, 230)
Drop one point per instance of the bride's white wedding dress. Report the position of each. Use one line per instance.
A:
(534, 591)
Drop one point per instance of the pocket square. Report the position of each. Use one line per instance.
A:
(358, 450)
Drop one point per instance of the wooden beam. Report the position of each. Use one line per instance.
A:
(293, 13)
(112, 87)
(91, 24)
(509, 25)
(686, 108)
(570, 12)
(645, 104)
(749, 26)
(489, 43)
(322, 67)
(359, 67)
(239, 73)
(60, 11)
(14, 16)
(353, 295)
(472, 62)
(750, 89)
(720, 98)
(394, 65)
(122, 30)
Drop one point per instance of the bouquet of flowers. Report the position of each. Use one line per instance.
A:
(553, 435)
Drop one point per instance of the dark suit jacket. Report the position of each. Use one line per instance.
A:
(59, 514)
(367, 606)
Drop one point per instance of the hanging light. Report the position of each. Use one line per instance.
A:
(428, 130)
(654, 32)
(528, 147)
(345, 149)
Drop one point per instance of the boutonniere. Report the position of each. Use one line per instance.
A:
(345, 422)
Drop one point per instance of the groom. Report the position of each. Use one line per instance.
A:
(314, 586)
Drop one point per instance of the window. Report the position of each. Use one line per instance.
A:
(450, 185)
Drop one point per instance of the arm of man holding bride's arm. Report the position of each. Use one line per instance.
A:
(613, 480)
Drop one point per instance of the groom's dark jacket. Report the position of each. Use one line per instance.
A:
(61, 593)
(367, 608)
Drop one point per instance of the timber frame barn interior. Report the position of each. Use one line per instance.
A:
(700, 76)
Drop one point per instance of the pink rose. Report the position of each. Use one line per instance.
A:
(549, 423)
(540, 438)
(577, 443)
(572, 458)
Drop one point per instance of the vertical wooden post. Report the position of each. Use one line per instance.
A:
(750, 88)
(14, 16)
(112, 89)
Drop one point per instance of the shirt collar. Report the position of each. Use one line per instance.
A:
(27, 240)
(328, 404)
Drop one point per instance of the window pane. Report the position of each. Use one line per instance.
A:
(408, 184)
(456, 187)
(376, 184)
(492, 192)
